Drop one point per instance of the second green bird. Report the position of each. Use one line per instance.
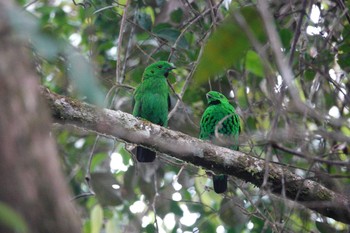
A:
(152, 102)
(220, 119)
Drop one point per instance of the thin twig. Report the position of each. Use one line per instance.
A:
(276, 46)
(29, 4)
(192, 203)
(309, 158)
(269, 152)
(261, 215)
(82, 4)
(125, 86)
(106, 8)
(144, 52)
(88, 169)
(187, 4)
(212, 13)
(259, 48)
(297, 31)
(180, 99)
(188, 25)
(120, 42)
(128, 47)
(187, 81)
(155, 200)
(179, 173)
(344, 8)
(296, 198)
(89, 194)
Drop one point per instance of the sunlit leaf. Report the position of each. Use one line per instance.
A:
(241, 97)
(87, 226)
(97, 159)
(228, 44)
(346, 131)
(111, 226)
(301, 92)
(149, 11)
(11, 219)
(96, 217)
(254, 64)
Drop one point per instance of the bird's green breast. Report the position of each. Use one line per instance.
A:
(213, 118)
(151, 97)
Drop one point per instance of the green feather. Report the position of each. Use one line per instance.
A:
(151, 100)
(220, 116)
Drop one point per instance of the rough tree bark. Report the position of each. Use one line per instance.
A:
(31, 182)
(125, 127)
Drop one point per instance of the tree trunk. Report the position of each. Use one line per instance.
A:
(31, 182)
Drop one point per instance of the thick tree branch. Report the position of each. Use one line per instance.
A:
(127, 128)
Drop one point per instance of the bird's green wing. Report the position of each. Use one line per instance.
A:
(136, 103)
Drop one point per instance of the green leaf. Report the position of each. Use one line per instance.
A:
(150, 228)
(175, 208)
(96, 217)
(253, 63)
(46, 46)
(27, 27)
(345, 130)
(144, 20)
(286, 37)
(87, 226)
(176, 15)
(124, 153)
(97, 159)
(12, 219)
(309, 75)
(241, 98)
(149, 11)
(82, 75)
(228, 44)
(325, 227)
(111, 226)
(171, 35)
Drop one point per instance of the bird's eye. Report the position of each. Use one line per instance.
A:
(160, 66)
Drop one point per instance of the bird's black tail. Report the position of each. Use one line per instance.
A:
(220, 183)
(144, 155)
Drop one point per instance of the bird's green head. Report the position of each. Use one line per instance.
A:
(158, 69)
(215, 97)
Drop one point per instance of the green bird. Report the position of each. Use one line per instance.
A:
(220, 119)
(152, 102)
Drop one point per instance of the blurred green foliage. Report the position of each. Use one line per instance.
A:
(11, 219)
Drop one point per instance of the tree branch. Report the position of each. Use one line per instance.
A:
(125, 127)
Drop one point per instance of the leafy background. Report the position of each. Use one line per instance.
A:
(96, 51)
